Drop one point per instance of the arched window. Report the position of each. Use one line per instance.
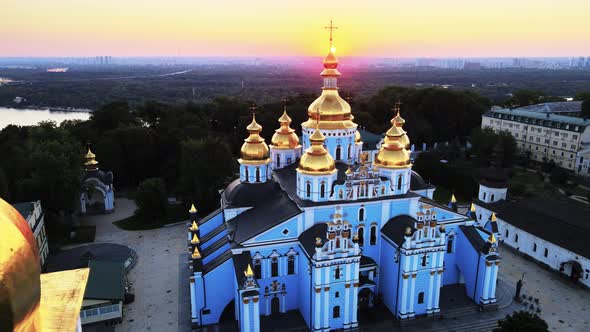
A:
(340, 194)
(546, 253)
(373, 237)
(257, 269)
(349, 151)
(291, 264)
(362, 214)
(361, 235)
(515, 237)
(492, 198)
(246, 173)
(307, 189)
(399, 182)
(534, 247)
(274, 267)
(338, 152)
(507, 234)
(257, 174)
(484, 195)
(382, 190)
(278, 160)
(424, 260)
(337, 272)
(323, 189)
(450, 245)
(421, 297)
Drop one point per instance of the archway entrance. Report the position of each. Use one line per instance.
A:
(365, 299)
(338, 152)
(573, 269)
(275, 306)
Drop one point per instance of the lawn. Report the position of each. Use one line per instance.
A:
(175, 213)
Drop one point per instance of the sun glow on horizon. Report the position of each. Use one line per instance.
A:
(381, 28)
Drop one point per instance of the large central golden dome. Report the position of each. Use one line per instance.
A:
(332, 111)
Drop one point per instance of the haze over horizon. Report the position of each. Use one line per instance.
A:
(232, 28)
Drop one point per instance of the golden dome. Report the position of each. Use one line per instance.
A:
(90, 159)
(398, 122)
(332, 111)
(20, 289)
(285, 137)
(254, 149)
(316, 160)
(393, 152)
(357, 137)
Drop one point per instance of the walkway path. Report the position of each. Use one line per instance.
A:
(160, 277)
(565, 306)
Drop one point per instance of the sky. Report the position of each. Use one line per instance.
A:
(375, 28)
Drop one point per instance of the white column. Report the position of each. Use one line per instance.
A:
(246, 314)
(486, 283)
(492, 293)
(193, 300)
(354, 295)
(326, 302)
(267, 304)
(256, 316)
(437, 291)
(317, 307)
(412, 291)
(283, 303)
(430, 291)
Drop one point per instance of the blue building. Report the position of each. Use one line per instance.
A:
(313, 227)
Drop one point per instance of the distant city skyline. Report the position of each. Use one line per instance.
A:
(378, 28)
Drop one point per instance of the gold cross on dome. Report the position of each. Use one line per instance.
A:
(331, 28)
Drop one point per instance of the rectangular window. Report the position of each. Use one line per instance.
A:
(291, 265)
(274, 267)
(534, 247)
(337, 294)
(257, 269)
(506, 234)
(336, 312)
(546, 253)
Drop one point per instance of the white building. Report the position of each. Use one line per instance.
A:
(548, 131)
(552, 232)
(35, 217)
(583, 161)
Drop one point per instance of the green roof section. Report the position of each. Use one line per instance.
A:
(369, 139)
(25, 209)
(106, 281)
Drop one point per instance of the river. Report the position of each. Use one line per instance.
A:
(28, 117)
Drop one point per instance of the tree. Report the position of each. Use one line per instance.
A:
(558, 175)
(205, 167)
(522, 321)
(483, 143)
(151, 199)
(112, 116)
(523, 98)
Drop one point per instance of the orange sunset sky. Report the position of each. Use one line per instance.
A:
(382, 28)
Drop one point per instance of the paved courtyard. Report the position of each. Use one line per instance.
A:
(160, 276)
(565, 306)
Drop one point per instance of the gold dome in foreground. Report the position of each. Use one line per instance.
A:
(20, 285)
(316, 160)
(398, 121)
(254, 149)
(285, 137)
(90, 162)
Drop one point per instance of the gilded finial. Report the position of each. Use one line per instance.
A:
(472, 208)
(195, 239)
(194, 226)
(453, 199)
(408, 231)
(196, 254)
(318, 242)
(493, 218)
(193, 209)
(492, 239)
(249, 272)
(331, 27)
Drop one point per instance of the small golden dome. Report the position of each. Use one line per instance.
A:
(393, 152)
(90, 159)
(285, 137)
(316, 160)
(254, 148)
(398, 122)
(20, 291)
(357, 137)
